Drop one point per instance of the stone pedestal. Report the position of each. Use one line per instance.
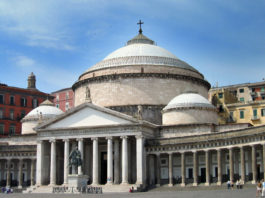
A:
(77, 180)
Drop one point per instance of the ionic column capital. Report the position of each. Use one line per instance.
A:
(79, 139)
(109, 138)
(124, 137)
(139, 137)
(94, 138)
(52, 140)
(66, 140)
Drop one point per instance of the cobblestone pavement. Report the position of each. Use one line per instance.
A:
(163, 193)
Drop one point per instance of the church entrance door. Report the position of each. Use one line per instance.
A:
(203, 175)
(103, 167)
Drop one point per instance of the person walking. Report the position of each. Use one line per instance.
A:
(263, 188)
(259, 189)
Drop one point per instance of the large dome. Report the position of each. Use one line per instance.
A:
(141, 51)
(140, 73)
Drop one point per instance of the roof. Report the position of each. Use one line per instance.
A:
(187, 100)
(141, 51)
(46, 110)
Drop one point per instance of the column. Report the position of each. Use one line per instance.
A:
(39, 173)
(32, 167)
(170, 169)
(20, 173)
(66, 161)
(95, 161)
(124, 160)
(263, 146)
(231, 164)
(207, 165)
(8, 179)
(110, 161)
(195, 169)
(53, 163)
(158, 169)
(139, 159)
(219, 164)
(81, 149)
(116, 162)
(254, 164)
(183, 170)
(242, 160)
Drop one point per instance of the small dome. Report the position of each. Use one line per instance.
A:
(44, 112)
(187, 100)
(46, 109)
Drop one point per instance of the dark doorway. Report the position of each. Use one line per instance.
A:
(216, 171)
(190, 176)
(203, 175)
(103, 167)
(258, 172)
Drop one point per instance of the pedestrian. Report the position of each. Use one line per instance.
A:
(228, 184)
(232, 184)
(237, 184)
(259, 189)
(263, 188)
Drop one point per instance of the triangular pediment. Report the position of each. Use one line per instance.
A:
(88, 115)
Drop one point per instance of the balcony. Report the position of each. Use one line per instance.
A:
(231, 120)
(255, 118)
(253, 94)
(262, 92)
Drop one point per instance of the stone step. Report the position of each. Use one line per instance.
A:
(105, 188)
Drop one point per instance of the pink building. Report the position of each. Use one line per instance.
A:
(63, 99)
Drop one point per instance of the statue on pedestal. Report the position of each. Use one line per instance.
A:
(75, 159)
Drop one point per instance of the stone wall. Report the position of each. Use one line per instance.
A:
(124, 91)
(189, 116)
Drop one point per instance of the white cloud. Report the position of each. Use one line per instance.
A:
(23, 61)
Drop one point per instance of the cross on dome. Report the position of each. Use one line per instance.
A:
(140, 23)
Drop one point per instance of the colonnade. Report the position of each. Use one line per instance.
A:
(219, 152)
(113, 155)
(19, 171)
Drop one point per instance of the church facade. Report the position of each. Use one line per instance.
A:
(141, 118)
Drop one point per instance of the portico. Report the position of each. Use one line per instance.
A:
(109, 152)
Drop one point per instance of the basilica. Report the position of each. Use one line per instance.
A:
(141, 119)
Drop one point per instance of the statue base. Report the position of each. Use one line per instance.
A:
(77, 181)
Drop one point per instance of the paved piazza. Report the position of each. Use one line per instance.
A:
(164, 192)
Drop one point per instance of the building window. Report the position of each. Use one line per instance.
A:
(255, 112)
(262, 89)
(23, 102)
(57, 97)
(242, 99)
(262, 112)
(242, 114)
(241, 90)
(23, 113)
(66, 106)
(1, 99)
(57, 105)
(67, 95)
(220, 95)
(12, 130)
(12, 100)
(34, 103)
(2, 128)
(1, 113)
(11, 114)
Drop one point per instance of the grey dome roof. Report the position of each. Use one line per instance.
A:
(188, 100)
(141, 51)
(46, 109)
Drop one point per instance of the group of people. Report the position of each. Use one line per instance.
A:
(6, 190)
(230, 184)
(260, 188)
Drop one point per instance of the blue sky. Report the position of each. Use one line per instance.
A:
(59, 39)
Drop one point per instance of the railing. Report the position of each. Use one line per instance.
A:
(255, 118)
